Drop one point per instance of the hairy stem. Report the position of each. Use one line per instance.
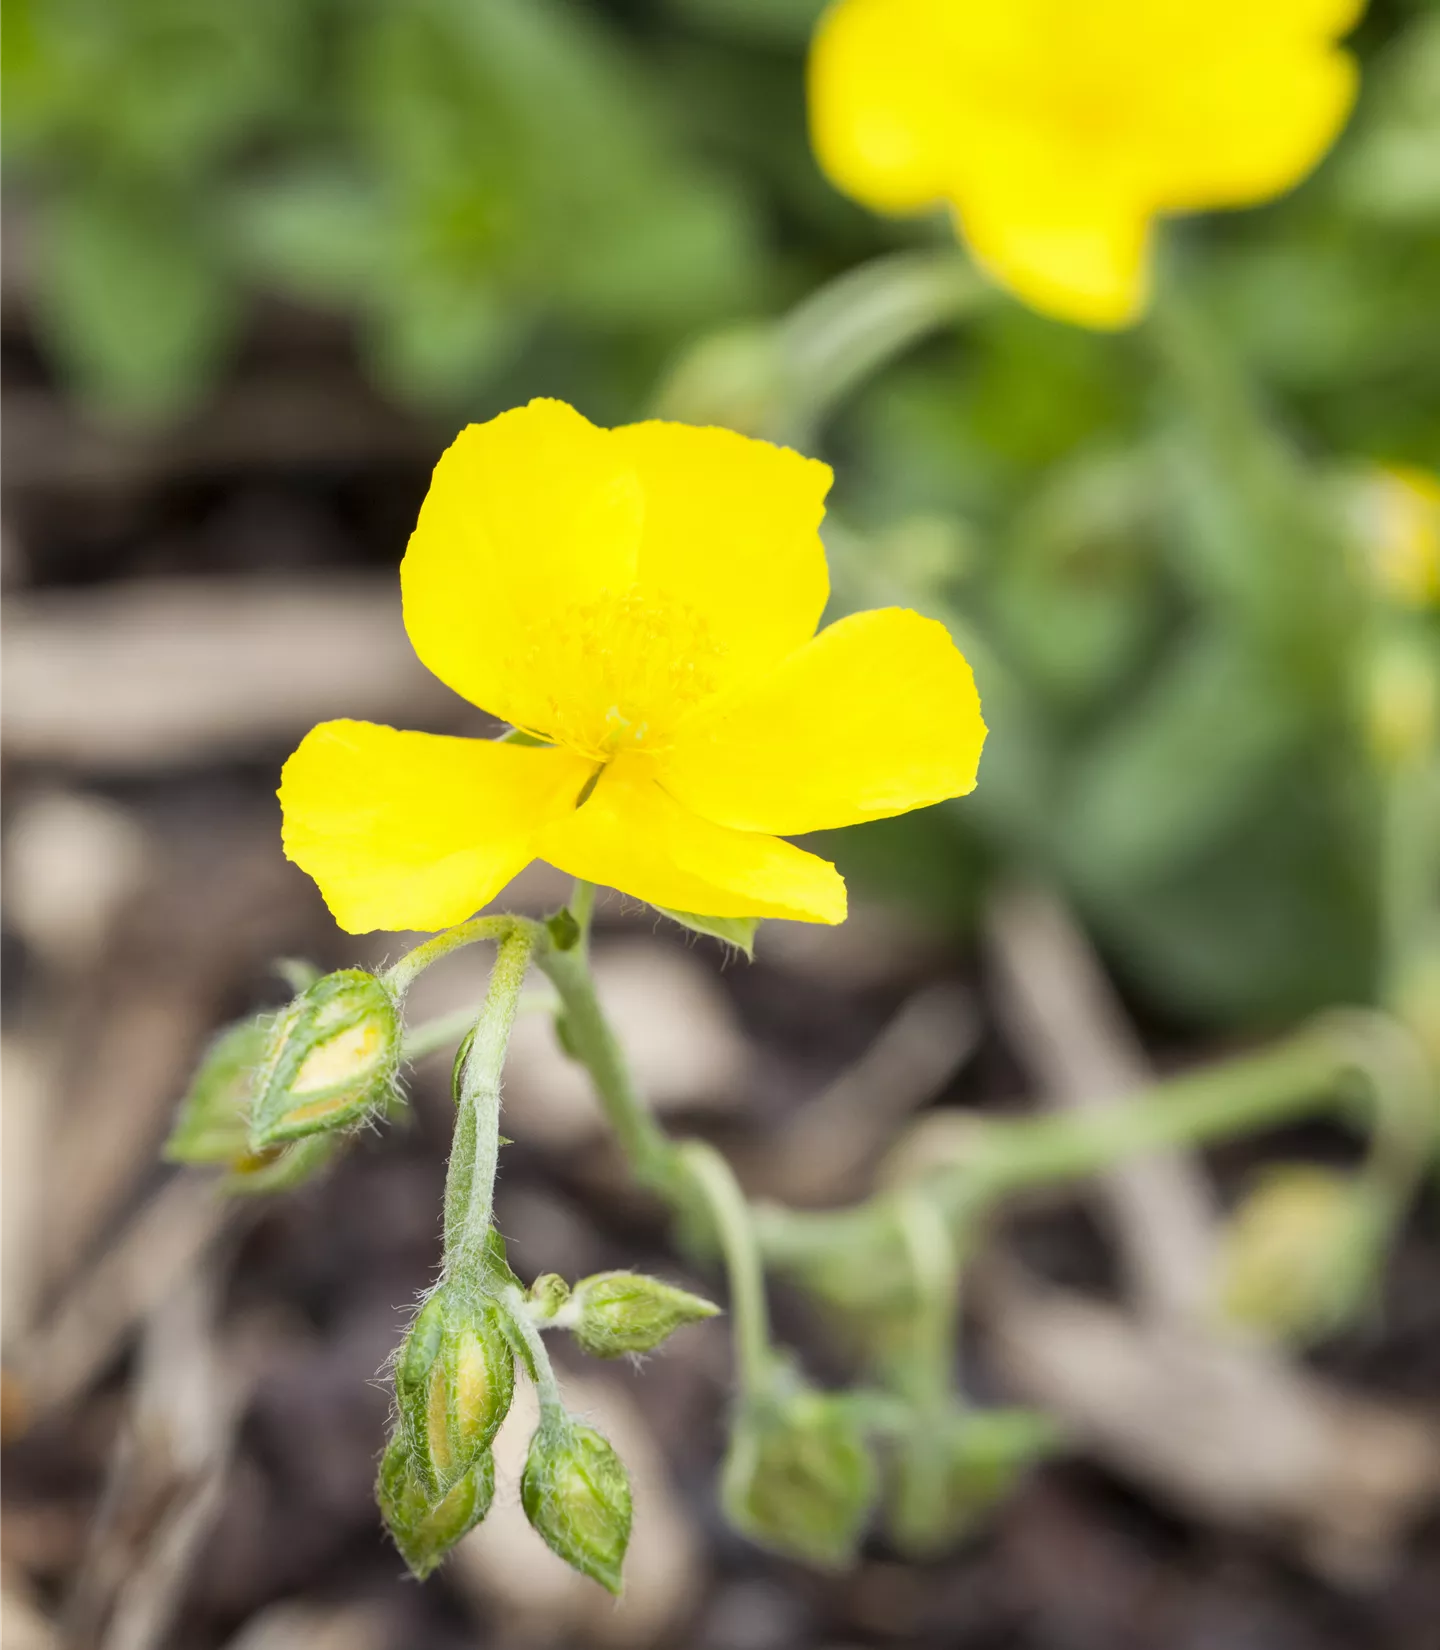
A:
(403, 974)
(470, 1179)
(533, 1353)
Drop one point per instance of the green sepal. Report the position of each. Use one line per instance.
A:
(212, 1122)
(565, 932)
(425, 1526)
(457, 1066)
(736, 931)
(613, 1313)
(799, 1477)
(576, 1495)
(454, 1381)
(330, 1061)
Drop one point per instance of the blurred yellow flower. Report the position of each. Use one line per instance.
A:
(1397, 514)
(1056, 130)
(644, 601)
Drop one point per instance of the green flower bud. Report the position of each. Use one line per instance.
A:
(948, 1477)
(426, 1526)
(454, 1379)
(577, 1498)
(330, 1060)
(548, 1294)
(212, 1124)
(613, 1313)
(1299, 1253)
(799, 1477)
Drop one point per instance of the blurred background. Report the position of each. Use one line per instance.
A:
(260, 262)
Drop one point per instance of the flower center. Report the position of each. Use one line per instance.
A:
(617, 673)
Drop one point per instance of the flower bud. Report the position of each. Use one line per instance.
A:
(613, 1313)
(799, 1478)
(1298, 1253)
(426, 1526)
(454, 1379)
(547, 1295)
(577, 1497)
(212, 1124)
(949, 1475)
(331, 1059)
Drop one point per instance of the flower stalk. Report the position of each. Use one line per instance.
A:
(470, 1180)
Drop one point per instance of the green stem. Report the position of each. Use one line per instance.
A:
(594, 1045)
(582, 907)
(534, 1354)
(1002, 1158)
(934, 1264)
(837, 338)
(731, 1213)
(403, 974)
(470, 1179)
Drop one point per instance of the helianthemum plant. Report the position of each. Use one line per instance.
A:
(640, 607)
(1056, 131)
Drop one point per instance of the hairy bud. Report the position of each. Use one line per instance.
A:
(799, 1477)
(613, 1313)
(424, 1525)
(454, 1379)
(330, 1060)
(548, 1295)
(577, 1497)
(212, 1124)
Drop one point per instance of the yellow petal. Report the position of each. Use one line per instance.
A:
(630, 835)
(877, 106)
(877, 715)
(528, 518)
(730, 555)
(1243, 130)
(413, 830)
(1077, 256)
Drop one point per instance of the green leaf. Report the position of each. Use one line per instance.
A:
(736, 931)
(131, 298)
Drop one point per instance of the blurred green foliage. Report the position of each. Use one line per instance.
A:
(1139, 538)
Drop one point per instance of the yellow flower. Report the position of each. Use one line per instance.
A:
(1397, 512)
(644, 600)
(1056, 130)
